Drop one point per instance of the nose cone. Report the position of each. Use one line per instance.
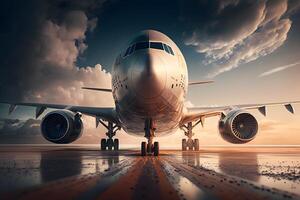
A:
(148, 77)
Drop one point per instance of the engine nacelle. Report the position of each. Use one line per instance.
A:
(62, 126)
(238, 127)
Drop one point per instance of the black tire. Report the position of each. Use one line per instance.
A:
(196, 144)
(143, 148)
(116, 144)
(156, 149)
(184, 145)
(110, 144)
(103, 144)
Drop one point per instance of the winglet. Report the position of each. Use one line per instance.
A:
(200, 82)
(97, 89)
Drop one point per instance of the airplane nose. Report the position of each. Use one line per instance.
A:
(148, 76)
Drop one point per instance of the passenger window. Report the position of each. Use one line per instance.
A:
(166, 48)
(142, 45)
(156, 45)
(170, 49)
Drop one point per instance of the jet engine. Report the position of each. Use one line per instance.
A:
(238, 127)
(62, 126)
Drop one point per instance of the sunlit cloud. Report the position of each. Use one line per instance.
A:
(237, 32)
(279, 69)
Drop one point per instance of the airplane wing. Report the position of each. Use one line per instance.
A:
(106, 113)
(200, 113)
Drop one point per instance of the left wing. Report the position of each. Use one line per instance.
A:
(199, 113)
(106, 113)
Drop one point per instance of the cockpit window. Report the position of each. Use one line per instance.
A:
(146, 45)
(166, 48)
(142, 45)
(170, 49)
(156, 45)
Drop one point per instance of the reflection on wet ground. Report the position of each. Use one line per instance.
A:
(278, 170)
(87, 173)
(19, 170)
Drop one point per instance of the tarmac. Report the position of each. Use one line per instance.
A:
(66, 172)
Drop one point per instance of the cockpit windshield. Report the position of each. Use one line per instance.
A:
(146, 45)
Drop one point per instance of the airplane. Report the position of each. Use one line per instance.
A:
(149, 88)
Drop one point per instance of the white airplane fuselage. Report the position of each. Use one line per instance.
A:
(150, 82)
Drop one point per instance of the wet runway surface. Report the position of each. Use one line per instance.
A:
(87, 173)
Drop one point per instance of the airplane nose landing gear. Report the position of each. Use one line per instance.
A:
(189, 144)
(149, 148)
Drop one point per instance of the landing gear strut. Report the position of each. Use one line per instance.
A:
(110, 143)
(190, 144)
(150, 147)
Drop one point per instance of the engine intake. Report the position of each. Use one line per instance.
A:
(238, 127)
(62, 126)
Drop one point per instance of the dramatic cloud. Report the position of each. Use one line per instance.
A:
(41, 65)
(234, 32)
(278, 69)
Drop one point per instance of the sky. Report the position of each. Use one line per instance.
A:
(251, 49)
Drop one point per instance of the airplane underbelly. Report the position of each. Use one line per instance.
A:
(164, 109)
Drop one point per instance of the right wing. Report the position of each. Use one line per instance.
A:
(199, 113)
(106, 113)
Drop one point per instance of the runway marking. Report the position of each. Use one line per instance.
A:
(73, 187)
(146, 180)
(225, 186)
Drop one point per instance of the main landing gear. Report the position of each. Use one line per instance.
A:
(190, 144)
(110, 143)
(150, 147)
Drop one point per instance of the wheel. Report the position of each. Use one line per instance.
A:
(156, 149)
(110, 144)
(196, 144)
(184, 145)
(103, 144)
(116, 144)
(143, 148)
(190, 144)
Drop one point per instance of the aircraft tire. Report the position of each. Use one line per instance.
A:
(143, 148)
(103, 144)
(184, 145)
(156, 149)
(116, 144)
(196, 144)
(110, 144)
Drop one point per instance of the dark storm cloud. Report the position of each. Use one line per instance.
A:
(42, 43)
(233, 32)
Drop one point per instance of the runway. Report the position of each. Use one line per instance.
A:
(60, 172)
